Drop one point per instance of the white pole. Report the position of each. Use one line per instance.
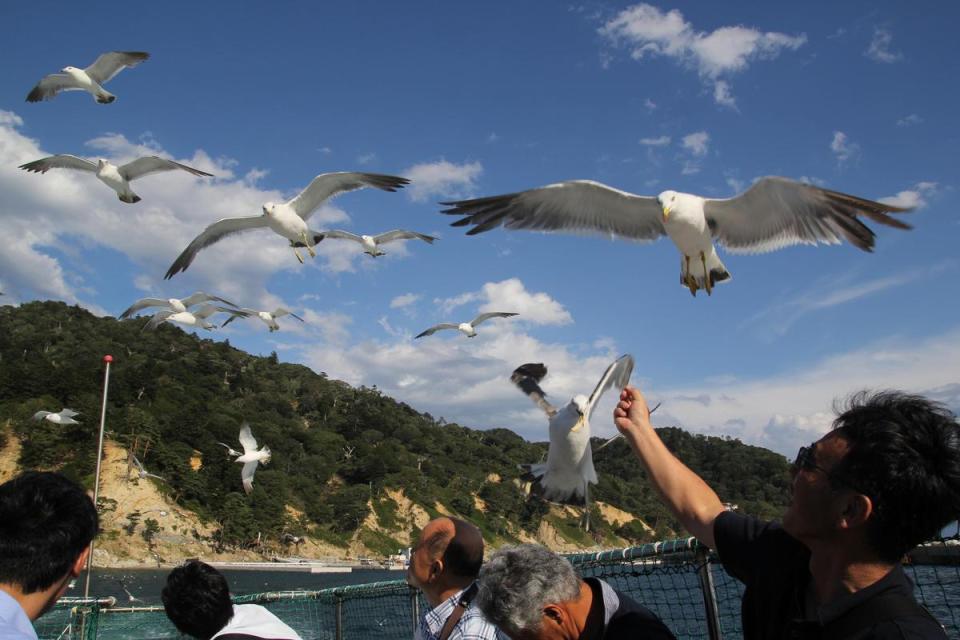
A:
(96, 480)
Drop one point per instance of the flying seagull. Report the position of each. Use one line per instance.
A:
(231, 452)
(90, 79)
(466, 328)
(288, 219)
(174, 304)
(771, 214)
(64, 417)
(568, 471)
(251, 457)
(196, 318)
(269, 317)
(371, 244)
(117, 178)
(141, 472)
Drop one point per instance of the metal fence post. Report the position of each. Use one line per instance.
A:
(339, 617)
(415, 608)
(709, 593)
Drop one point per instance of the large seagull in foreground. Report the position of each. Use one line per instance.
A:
(772, 214)
(288, 219)
(568, 471)
(91, 79)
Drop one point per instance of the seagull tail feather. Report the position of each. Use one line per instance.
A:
(104, 97)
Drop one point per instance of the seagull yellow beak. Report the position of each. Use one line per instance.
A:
(666, 212)
(577, 426)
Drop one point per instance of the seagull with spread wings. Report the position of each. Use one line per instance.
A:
(771, 214)
(288, 219)
(117, 178)
(91, 79)
(174, 304)
(371, 244)
(252, 456)
(466, 328)
(269, 318)
(142, 473)
(196, 318)
(65, 416)
(568, 471)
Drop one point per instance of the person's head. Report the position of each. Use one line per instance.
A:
(47, 523)
(197, 599)
(889, 470)
(529, 592)
(447, 556)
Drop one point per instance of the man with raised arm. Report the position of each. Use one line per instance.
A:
(884, 479)
(444, 566)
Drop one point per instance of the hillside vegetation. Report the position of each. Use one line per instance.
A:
(350, 465)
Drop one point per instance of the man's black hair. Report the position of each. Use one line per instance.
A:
(197, 599)
(46, 521)
(905, 455)
(464, 554)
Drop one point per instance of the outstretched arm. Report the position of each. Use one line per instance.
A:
(690, 499)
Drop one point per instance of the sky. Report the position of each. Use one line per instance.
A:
(474, 99)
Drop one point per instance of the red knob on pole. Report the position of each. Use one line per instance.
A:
(108, 358)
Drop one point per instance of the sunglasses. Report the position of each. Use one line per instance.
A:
(806, 462)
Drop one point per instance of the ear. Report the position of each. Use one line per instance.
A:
(857, 510)
(555, 614)
(80, 563)
(436, 569)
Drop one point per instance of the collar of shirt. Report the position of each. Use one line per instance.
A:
(604, 605)
(13, 617)
(895, 580)
(434, 619)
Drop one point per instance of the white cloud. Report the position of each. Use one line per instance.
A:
(717, 54)
(843, 148)
(510, 295)
(879, 49)
(662, 141)
(366, 158)
(443, 179)
(325, 150)
(404, 300)
(786, 411)
(649, 104)
(697, 143)
(913, 198)
(493, 137)
(910, 120)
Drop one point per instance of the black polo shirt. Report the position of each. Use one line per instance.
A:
(774, 567)
(616, 616)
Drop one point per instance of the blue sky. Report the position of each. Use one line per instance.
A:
(486, 98)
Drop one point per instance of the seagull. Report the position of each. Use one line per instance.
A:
(771, 214)
(174, 304)
(106, 66)
(117, 178)
(371, 244)
(269, 317)
(64, 417)
(231, 452)
(142, 473)
(466, 328)
(251, 457)
(568, 472)
(196, 318)
(288, 219)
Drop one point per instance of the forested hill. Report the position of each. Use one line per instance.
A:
(337, 450)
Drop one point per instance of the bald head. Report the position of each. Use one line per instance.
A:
(457, 543)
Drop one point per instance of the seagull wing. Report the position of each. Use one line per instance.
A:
(215, 232)
(40, 415)
(68, 413)
(491, 314)
(327, 185)
(343, 235)
(527, 377)
(143, 303)
(402, 234)
(236, 313)
(51, 85)
(200, 296)
(62, 161)
(138, 463)
(246, 474)
(110, 64)
(230, 450)
(155, 164)
(246, 439)
(576, 205)
(437, 327)
(617, 374)
(280, 311)
(158, 318)
(778, 212)
(208, 310)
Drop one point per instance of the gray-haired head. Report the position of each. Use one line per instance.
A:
(517, 583)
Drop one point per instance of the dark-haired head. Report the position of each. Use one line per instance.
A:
(463, 556)
(904, 454)
(197, 599)
(46, 523)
